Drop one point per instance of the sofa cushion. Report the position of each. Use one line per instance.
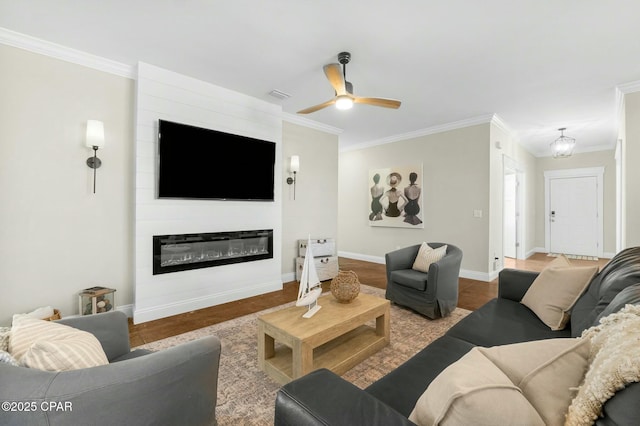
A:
(622, 271)
(473, 390)
(501, 322)
(46, 345)
(628, 296)
(402, 387)
(428, 255)
(410, 278)
(555, 291)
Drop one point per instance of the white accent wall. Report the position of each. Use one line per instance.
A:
(163, 94)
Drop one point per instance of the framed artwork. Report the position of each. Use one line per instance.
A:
(395, 197)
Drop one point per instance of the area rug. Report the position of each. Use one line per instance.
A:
(246, 395)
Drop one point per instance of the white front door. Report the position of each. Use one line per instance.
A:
(573, 215)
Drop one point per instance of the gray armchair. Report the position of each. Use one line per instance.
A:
(169, 387)
(433, 294)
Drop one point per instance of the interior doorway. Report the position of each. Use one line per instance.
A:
(512, 218)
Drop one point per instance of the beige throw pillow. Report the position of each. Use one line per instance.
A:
(546, 371)
(555, 291)
(527, 383)
(47, 345)
(473, 391)
(428, 255)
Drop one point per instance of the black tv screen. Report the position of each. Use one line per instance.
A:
(200, 163)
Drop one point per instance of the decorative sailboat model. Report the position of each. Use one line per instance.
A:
(310, 288)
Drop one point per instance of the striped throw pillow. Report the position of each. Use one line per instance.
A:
(428, 255)
(50, 346)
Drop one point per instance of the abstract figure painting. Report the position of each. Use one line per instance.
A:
(395, 196)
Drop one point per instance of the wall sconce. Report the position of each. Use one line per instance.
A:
(94, 140)
(294, 167)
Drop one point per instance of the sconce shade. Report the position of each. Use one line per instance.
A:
(95, 134)
(294, 167)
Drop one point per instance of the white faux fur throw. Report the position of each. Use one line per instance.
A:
(614, 363)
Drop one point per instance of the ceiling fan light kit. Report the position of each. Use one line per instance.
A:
(344, 97)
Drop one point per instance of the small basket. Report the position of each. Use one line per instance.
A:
(55, 316)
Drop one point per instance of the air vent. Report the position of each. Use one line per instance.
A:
(279, 94)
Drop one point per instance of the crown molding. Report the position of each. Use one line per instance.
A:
(482, 119)
(633, 86)
(296, 119)
(57, 51)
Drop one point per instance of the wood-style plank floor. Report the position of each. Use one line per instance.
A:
(471, 295)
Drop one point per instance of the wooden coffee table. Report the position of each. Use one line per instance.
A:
(336, 337)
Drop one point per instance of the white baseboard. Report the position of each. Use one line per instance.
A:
(127, 309)
(288, 277)
(464, 273)
(169, 309)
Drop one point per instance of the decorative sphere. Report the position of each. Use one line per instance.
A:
(101, 304)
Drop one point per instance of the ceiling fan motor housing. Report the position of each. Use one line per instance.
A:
(344, 57)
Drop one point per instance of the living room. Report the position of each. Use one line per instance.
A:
(58, 237)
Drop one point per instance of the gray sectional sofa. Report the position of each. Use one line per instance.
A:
(323, 398)
(169, 387)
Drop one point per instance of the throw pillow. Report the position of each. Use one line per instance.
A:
(545, 371)
(628, 296)
(6, 358)
(614, 364)
(51, 346)
(5, 332)
(555, 291)
(428, 255)
(473, 390)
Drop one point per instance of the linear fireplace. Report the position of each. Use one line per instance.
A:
(172, 253)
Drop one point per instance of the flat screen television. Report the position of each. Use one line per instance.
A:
(198, 163)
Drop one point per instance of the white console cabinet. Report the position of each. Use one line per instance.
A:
(324, 257)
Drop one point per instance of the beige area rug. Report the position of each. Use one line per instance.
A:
(246, 395)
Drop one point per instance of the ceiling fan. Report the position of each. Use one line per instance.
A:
(344, 98)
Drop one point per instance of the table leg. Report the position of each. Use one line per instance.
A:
(302, 359)
(383, 327)
(266, 346)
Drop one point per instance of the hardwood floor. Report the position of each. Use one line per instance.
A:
(471, 295)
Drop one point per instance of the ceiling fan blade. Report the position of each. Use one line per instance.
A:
(317, 107)
(381, 102)
(335, 77)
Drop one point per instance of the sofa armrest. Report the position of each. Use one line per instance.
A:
(514, 283)
(324, 398)
(173, 386)
(110, 328)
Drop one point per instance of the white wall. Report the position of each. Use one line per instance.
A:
(56, 236)
(581, 160)
(455, 183)
(631, 169)
(314, 210)
(166, 95)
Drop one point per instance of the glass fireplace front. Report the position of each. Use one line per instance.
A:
(172, 253)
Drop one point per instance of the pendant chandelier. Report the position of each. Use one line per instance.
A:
(563, 146)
